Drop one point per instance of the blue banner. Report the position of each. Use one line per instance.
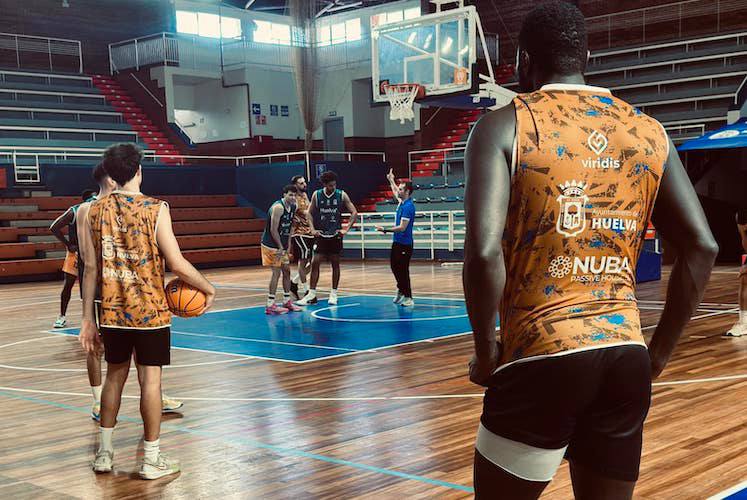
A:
(730, 136)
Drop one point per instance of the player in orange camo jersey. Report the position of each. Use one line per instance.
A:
(127, 240)
(561, 184)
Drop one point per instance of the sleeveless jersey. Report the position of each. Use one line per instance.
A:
(72, 228)
(328, 220)
(587, 170)
(130, 265)
(300, 223)
(284, 228)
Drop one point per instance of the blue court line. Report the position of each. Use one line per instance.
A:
(280, 450)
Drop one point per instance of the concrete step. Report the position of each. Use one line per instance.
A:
(19, 208)
(47, 238)
(30, 223)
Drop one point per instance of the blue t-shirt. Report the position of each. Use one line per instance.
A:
(406, 210)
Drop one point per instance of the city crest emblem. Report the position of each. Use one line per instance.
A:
(572, 201)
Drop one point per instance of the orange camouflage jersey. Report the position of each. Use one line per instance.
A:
(130, 265)
(301, 225)
(585, 175)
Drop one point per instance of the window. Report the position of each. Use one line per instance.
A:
(353, 29)
(186, 22)
(395, 16)
(338, 33)
(412, 13)
(347, 31)
(267, 32)
(209, 25)
(230, 27)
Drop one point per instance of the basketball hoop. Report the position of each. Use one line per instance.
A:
(401, 97)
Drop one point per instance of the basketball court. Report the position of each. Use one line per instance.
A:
(363, 398)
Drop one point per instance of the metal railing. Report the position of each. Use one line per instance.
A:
(37, 52)
(53, 154)
(442, 156)
(433, 229)
(662, 22)
(185, 51)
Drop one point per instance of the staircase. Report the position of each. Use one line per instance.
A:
(429, 165)
(134, 115)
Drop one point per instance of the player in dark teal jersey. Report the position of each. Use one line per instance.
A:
(275, 248)
(326, 211)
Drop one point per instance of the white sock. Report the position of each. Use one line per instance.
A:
(106, 439)
(96, 391)
(743, 316)
(295, 278)
(151, 449)
(334, 291)
(286, 297)
(270, 300)
(312, 292)
(304, 288)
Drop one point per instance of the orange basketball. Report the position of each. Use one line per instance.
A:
(185, 300)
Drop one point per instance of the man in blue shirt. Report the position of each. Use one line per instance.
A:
(403, 242)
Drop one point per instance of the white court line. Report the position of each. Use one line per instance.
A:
(294, 344)
(734, 489)
(315, 315)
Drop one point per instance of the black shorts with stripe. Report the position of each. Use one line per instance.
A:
(302, 247)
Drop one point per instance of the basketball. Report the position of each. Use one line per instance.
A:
(184, 300)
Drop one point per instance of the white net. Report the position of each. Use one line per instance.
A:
(401, 99)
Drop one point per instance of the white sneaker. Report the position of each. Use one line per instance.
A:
(163, 466)
(407, 302)
(61, 322)
(170, 404)
(398, 298)
(103, 462)
(332, 300)
(737, 330)
(309, 298)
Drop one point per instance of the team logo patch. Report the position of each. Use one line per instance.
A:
(572, 217)
(107, 248)
(597, 142)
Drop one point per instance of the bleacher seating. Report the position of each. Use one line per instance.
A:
(39, 111)
(689, 85)
(212, 230)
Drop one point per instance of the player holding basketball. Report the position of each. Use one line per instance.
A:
(302, 241)
(126, 241)
(403, 242)
(561, 184)
(326, 225)
(93, 360)
(70, 267)
(275, 248)
(740, 327)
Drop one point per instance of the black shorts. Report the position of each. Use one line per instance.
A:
(151, 347)
(302, 247)
(328, 246)
(592, 402)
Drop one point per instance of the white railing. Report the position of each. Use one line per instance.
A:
(441, 156)
(185, 51)
(433, 230)
(661, 21)
(215, 54)
(36, 154)
(28, 49)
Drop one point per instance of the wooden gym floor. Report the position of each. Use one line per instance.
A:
(396, 422)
